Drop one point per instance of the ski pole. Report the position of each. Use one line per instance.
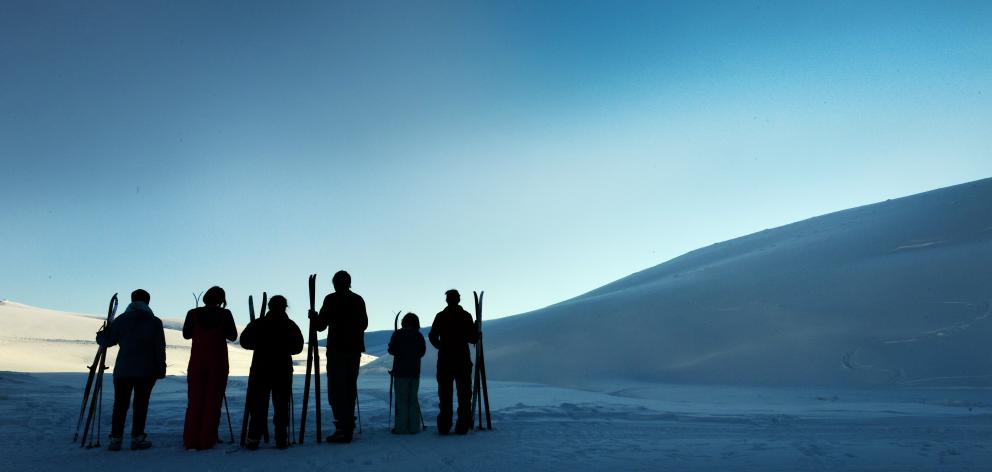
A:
(99, 418)
(358, 405)
(292, 413)
(229, 427)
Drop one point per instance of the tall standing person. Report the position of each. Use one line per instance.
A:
(451, 333)
(343, 315)
(210, 327)
(140, 362)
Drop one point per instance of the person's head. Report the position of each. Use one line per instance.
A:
(142, 296)
(341, 281)
(215, 296)
(278, 304)
(452, 297)
(410, 321)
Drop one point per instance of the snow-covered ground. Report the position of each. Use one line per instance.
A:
(617, 425)
(537, 427)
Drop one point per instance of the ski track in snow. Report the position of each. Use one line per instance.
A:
(638, 427)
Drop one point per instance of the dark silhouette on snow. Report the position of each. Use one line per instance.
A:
(453, 330)
(407, 347)
(275, 339)
(343, 315)
(140, 362)
(210, 327)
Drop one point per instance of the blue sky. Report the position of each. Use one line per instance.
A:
(536, 150)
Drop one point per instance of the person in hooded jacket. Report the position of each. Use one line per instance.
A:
(407, 347)
(274, 338)
(453, 330)
(210, 327)
(140, 362)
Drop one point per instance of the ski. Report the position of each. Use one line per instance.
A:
(244, 421)
(313, 368)
(261, 314)
(480, 394)
(94, 383)
(396, 321)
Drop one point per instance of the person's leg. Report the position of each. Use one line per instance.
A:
(401, 389)
(195, 385)
(352, 363)
(259, 405)
(444, 396)
(212, 404)
(342, 402)
(280, 406)
(413, 405)
(463, 382)
(142, 396)
(122, 401)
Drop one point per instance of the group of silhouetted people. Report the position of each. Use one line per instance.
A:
(274, 339)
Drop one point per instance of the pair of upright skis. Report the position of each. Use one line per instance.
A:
(249, 391)
(480, 392)
(93, 393)
(313, 367)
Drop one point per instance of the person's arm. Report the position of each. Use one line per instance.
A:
(248, 340)
(188, 325)
(323, 317)
(433, 335)
(231, 331)
(160, 350)
(108, 336)
(471, 330)
(363, 319)
(392, 344)
(421, 345)
(295, 338)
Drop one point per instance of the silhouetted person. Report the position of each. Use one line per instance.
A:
(453, 330)
(210, 327)
(274, 338)
(343, 315)
(140, 361)
(407, 347)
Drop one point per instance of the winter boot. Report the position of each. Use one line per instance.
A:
(340, 437)
(115, 444)
(140, 442)
(251, 444)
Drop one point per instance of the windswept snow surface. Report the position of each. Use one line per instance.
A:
(542, 428)
(892, 294)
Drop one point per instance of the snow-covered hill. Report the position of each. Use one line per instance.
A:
(39, 340)
(895, 293)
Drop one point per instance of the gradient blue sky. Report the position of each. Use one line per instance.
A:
(536, 150)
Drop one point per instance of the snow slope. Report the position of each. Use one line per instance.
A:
(39, 340)
(896, 293)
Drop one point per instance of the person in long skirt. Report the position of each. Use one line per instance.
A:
(210, 327)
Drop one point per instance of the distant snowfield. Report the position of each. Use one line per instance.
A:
(38, 340)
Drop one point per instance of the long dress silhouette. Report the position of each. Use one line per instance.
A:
(210, 327)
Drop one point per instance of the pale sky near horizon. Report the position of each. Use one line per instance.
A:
(534, 149)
